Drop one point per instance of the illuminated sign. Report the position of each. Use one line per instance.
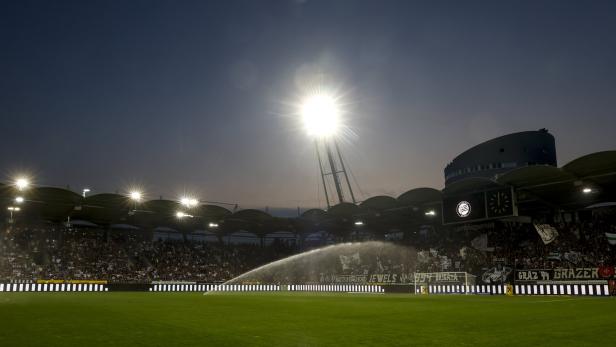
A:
(478, 206)
(463, 209)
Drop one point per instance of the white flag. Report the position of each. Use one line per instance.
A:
(611, 238)
(481, 243)
(350, 261)
(547, 232)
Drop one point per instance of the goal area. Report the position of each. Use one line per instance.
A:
(422, 280)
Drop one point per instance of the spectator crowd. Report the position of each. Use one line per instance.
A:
(57, 252)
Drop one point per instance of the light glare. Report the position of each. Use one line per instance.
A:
(22, 183)
(135, 195)
(181, 215)
(19, 199)
(320, 115)
(189, 202)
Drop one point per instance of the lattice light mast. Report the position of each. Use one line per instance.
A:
(321, 118)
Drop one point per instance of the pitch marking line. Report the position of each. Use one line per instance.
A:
(555, 300)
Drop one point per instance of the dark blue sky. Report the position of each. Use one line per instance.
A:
(180, 95)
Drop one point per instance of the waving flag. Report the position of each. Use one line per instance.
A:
(611, 238)
(547, 232)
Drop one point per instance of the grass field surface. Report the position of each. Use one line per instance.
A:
(299, 319)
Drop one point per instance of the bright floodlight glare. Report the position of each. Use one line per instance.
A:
(213, 225)
(180, 214)
(430, 213)
(135, 195)
(587, 190)
(19, 199)
(320, 115)
(22, 183)
(359, 223)
(189, 202)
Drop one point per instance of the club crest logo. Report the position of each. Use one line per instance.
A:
(463, 209)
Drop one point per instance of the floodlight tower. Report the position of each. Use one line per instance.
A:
(321, 118)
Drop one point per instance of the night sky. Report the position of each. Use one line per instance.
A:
(200, 96)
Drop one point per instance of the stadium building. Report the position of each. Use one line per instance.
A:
(503, 154)
(516, 197)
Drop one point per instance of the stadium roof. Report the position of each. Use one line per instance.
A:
(379, 203)
(536, 186)
(558, 187)
(420, 196)
(594, 164)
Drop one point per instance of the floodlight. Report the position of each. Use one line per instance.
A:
(22, 183)
(320, 115)
(135, 195)
(19, 199)
(430, 213)
(180, 215)
(359, 223)
(189, 202)
(587, 190)
(213, 225)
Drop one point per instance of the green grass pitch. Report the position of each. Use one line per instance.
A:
(297, 319)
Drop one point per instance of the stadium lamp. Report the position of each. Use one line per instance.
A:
(22, 183)
(19, 200)
(587, 190)
(320, 115)
(135, 195)
(189, 202)
(180, 215)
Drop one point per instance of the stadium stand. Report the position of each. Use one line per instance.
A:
(559, 224)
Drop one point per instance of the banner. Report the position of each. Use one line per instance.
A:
(72, 281)
(440, 278)
(547, 232)
(374, 278)
(333, 279)
(397, 278)
(580, 274)
(497, 274)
